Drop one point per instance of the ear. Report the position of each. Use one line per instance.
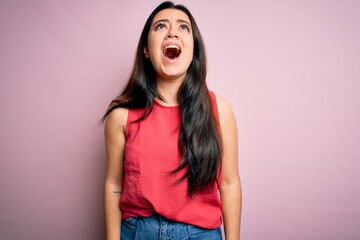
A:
(146, 52)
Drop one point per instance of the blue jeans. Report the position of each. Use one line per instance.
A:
(156, 227)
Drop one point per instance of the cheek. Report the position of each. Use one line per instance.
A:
(190, 44)
(154, 46)
(190, 47)
(152, 43)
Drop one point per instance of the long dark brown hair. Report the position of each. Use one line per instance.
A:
(199, 140)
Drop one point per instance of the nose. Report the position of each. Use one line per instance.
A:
(172, 33)
(171, 36)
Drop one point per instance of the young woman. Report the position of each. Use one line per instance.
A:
(171, 143)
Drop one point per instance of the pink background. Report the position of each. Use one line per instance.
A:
(290, 69)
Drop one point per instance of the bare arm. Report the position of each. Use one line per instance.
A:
(115, 144)
(230, 189)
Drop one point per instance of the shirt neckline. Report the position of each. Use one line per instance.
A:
(165, 106)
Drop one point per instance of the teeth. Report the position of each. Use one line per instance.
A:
(172, 46)
(172, 51)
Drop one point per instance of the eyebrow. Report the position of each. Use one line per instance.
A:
(167, 20)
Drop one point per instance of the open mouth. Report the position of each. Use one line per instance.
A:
(172, 51)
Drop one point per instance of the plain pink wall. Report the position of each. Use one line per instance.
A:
(290, 69)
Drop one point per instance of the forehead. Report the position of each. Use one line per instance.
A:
(171, 15)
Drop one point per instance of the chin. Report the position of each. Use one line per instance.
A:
(172, 71)
(172, 75)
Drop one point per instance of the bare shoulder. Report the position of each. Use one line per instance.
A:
(117, 119)
(225, 111)
(229, 136)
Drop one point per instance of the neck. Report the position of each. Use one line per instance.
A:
(168, 90)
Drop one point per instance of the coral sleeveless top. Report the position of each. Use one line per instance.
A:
(151, 153)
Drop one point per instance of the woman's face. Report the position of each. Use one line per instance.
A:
(170, 44)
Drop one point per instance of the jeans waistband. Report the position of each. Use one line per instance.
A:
(158, 227)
